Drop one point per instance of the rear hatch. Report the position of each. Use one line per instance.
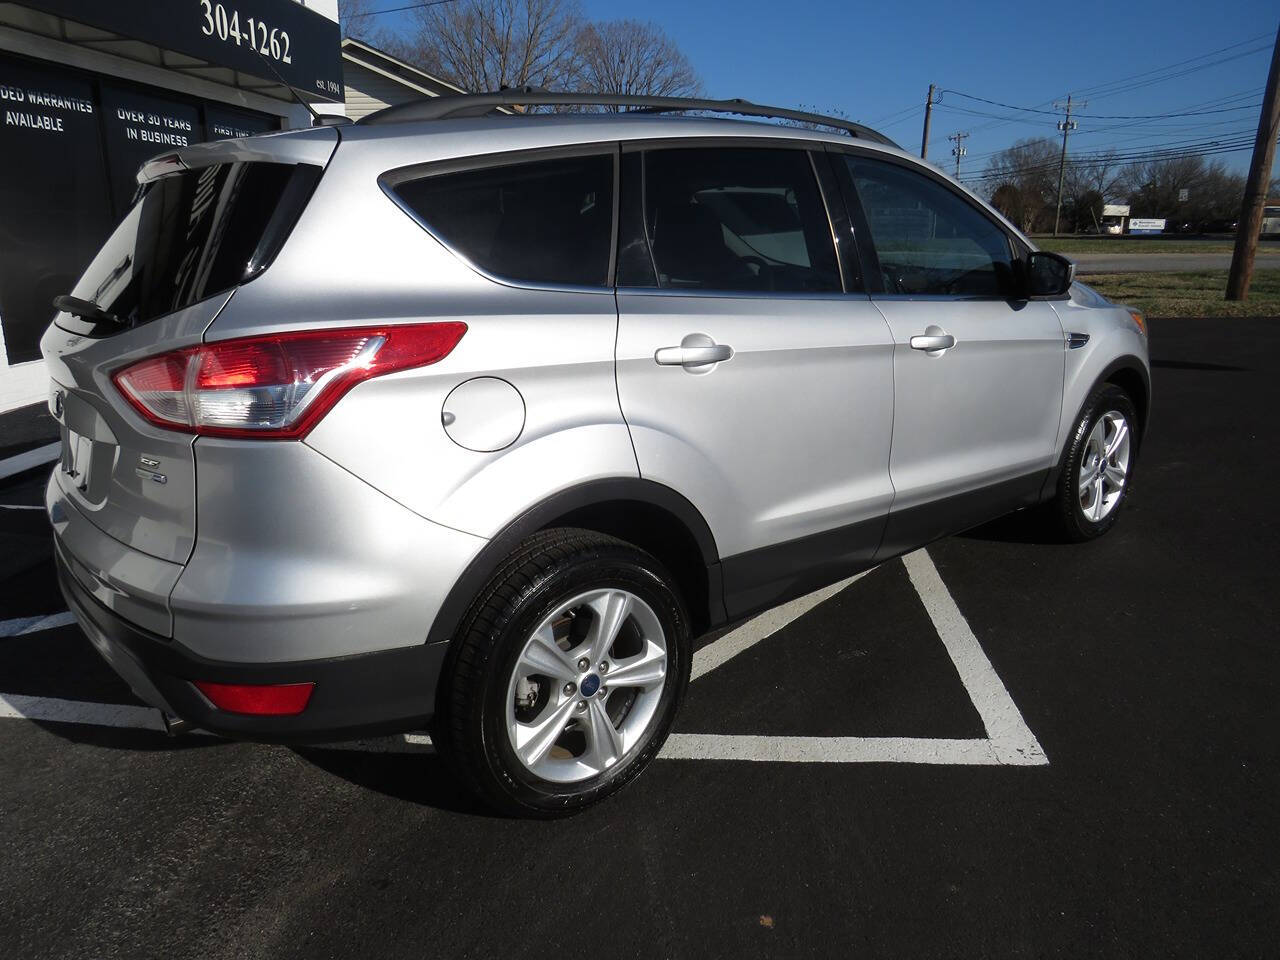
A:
(206, 220)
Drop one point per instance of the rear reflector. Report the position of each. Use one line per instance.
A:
(275, 387)
(262, 700)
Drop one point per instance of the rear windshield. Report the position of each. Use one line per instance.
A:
(191, 235)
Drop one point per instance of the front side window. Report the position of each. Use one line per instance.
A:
(542, 221)
(929, 240)
(729, 219)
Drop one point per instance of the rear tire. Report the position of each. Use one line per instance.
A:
(1093, 484)
(566, 675)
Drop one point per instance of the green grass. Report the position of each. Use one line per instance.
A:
(1191, 294)
(1141, 245)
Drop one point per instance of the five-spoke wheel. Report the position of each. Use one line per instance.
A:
(586, 685)
(1105, 468)
(1097, 467)
(565, 679)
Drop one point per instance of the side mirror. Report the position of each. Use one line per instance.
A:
(1048, 274)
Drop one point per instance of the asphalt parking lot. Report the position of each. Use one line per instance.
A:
(995, 748)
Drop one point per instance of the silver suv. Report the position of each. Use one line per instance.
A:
(473, 422)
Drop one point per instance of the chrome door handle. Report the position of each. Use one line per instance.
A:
(933, 341)
(696, 350)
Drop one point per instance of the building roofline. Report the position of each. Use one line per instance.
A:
(424, 80)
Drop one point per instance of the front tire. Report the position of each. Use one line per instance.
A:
(1094, 481)
(566, 675)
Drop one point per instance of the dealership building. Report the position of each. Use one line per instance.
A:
(89, 89)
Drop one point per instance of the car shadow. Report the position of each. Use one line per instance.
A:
(1021, 527)
(419, 777)
(126, 738)
(1197, 365)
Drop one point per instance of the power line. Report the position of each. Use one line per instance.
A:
(411, 6)
(1123, 84)
(1099, 116)
(1111, 87)
(1204, 149)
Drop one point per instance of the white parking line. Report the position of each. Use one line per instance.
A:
(711, 746)
(25, 625)
(30, 459)
(758, 628)
(1009, 739)
(19, 707)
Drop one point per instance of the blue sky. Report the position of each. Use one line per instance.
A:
(876, 61)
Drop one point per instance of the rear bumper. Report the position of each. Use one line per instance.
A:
(363, 695)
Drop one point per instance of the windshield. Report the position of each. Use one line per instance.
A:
(191, 235)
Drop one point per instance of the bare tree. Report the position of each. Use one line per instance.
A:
(355, 20)
(1022, 180)
(633, 58)
(1213, 193)
(483, 45)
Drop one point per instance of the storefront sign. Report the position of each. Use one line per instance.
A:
(136, 126)
(258, 37)
(70, 148)
(54, 207)
(1150, 225)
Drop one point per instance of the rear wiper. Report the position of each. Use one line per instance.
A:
(86, 309)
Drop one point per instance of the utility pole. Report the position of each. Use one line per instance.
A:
(1256, 187)
(928, 116)
(1066, 125)
(958, 151)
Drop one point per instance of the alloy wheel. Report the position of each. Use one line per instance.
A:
(1104, 467)
(586, 686)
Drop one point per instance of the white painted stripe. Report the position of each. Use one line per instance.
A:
(679, 746)
(50, 709)
(1014, 742)
(30, 459)
(745, 637)
(706, 746)
(1010, 742)
(20, 506)
(25, 625)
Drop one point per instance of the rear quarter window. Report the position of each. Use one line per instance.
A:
(541, 221)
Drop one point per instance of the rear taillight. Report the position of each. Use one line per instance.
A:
(277, 386)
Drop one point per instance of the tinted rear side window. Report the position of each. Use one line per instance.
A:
(729, 219)
(543, 221)
(193, 234)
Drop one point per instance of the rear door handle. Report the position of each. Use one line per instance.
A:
(933, 341)
(697, 350)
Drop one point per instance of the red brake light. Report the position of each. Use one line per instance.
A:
(263, 700)
(276, 386)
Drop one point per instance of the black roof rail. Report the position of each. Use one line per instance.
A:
(479, 104)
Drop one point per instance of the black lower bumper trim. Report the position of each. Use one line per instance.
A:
(368, 694)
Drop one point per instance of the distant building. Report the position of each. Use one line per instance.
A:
(89, 89)
(375, 79)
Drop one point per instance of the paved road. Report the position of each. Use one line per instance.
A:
(1144, 667)
(1087, 263)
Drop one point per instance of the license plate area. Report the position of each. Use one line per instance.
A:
(77, 459)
